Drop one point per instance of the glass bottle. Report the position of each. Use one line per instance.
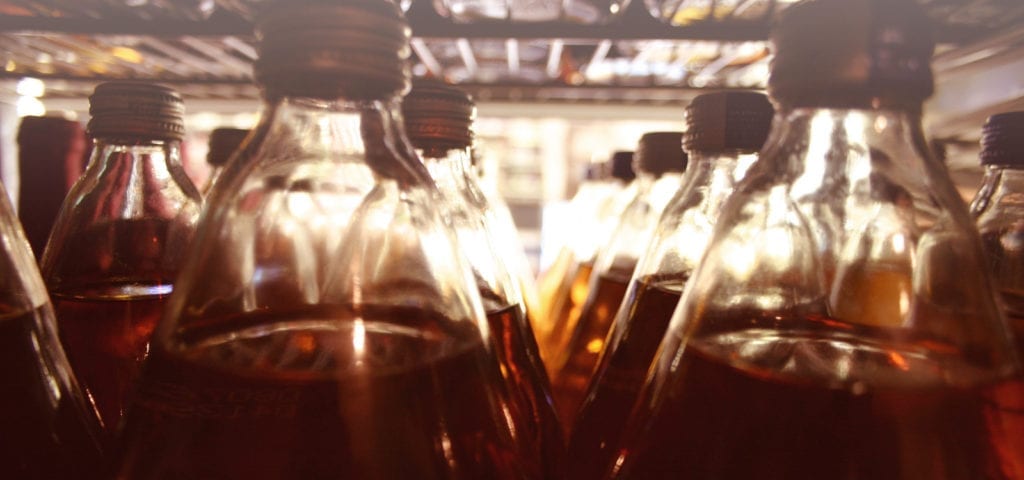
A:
(223, 143)
(50, 430)
(998, 209)
(118, 243)
(325, 325)
(724, 132)
(841, 323)
(659, 163)
(438, 119)
(564, 286)
(510, 245)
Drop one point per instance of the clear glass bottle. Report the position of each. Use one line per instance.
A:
(564, 286)
(841, 323)
(659, 162)
(438, 118)
(119, 241)
(998, 209)
(223, 143)
(325, 324)
(50, 430)
(724, 132)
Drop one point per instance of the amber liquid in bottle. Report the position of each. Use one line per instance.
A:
(580, 355)
(1009, 417)
(564, 306)
(620, 376)
(841, 408)
(108, 306)
(524, 372)
(44, 434)
(302, 395)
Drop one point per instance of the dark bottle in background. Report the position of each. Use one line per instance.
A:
(120, 239)
(51, 153)
(223, 143)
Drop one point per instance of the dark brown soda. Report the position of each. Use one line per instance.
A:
(321, 393)
(109, 284)
(620, 375)
(47, 431)
(106, 336)
(576, 361)
(524, 373)
(809, 403)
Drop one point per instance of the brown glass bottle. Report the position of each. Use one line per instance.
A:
(116, 247)
(723, 131)
(357, 400)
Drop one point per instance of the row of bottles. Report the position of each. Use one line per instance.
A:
(788, 292)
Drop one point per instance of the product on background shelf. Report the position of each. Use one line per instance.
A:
(223, 143)
(842, 322)
(326, 324)
(659, 164)
(51, 153)
(50, 429)
(594, 212)
(724, 132)
(438, 119)
(999, 213)
(119, 241)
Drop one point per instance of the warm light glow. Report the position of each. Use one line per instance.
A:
(595, 345)
(30, 106)
(31, 87)
(359, 340)
(129, 55)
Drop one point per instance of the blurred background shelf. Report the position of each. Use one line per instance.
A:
(557, 88)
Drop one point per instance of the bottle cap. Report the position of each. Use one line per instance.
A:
(1002, 140)
(852, 54)
(224, 142)
(728, 121)
(328, 49)
(660, 153)
(136, 110)
(622, 166)
(438, 115)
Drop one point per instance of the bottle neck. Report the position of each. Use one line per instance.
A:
(329, 133)
(127, 168)
(1002, 185)
(866, 156)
